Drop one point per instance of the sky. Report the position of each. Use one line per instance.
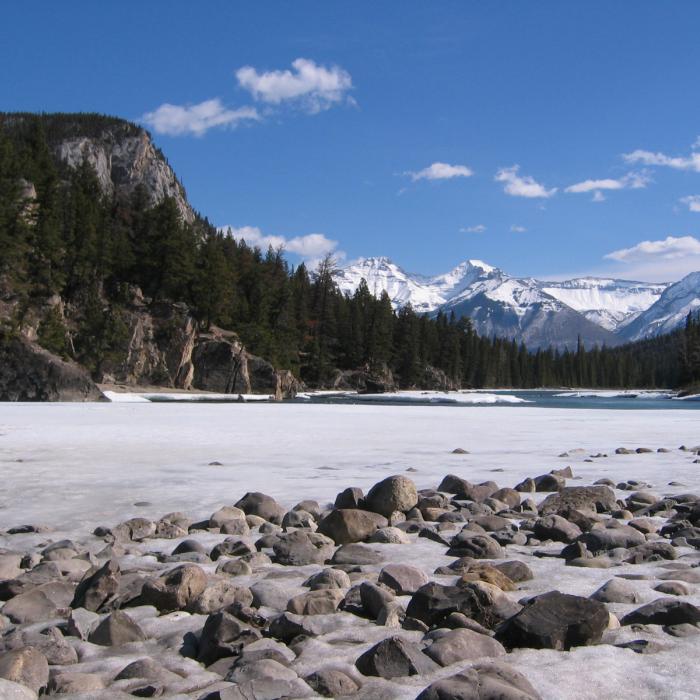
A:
(551, 139)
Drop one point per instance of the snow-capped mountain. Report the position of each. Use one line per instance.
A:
(537, 312)
(608, 303)
(669, 312)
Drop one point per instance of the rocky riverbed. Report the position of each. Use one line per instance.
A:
(463, 590)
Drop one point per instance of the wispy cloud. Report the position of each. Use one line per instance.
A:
(693, 202)
(631, 181)
(313, 87)
(479, 228)
(667, 259)
(689, 162)
(310, 247)
(440, 171)
(197, 119)
(522, 185)
(517, 229)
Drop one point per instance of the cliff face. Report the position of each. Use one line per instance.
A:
(124, 162)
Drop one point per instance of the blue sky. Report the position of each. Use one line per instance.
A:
(427, 132)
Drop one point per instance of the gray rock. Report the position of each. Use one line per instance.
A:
(463, 645)
(224, 515)
(516, 571)
(45, 602)
(218, 595)
(175, 589)
(81, 622)
(672, 588)
(356, 554)
(26, 666)
(349, 498)
(116, 629)
(395, 657)
(389, 535)
(402, 578)
(321, 602)
(328, 578)
(300, 548)
(72, 682)
(332, 683)
(584, 498)
(15, 691)
(617, 590)
(484, 681)
(395, 493)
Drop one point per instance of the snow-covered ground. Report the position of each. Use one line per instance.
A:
(73, 466)
(76, 465)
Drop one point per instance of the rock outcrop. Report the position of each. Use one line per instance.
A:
(124, 157)
(30, 373)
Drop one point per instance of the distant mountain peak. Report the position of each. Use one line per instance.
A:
(600, 309)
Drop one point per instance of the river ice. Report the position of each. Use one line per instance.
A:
(74, 466)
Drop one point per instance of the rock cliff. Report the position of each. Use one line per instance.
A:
(122, 162)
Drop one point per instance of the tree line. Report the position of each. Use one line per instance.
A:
(61, 235)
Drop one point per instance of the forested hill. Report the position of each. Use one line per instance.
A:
(103, 261)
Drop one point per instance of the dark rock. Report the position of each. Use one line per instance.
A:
(603, 539)
(395, 657)
(97, 588)
(30, 373)
(374, 598)
(255, 503)
(469, 544)
(233, 547)
(349, 498)
(554, 527)
(664, 611)
(555, 621)
(223, 635)
(549, 482)
(116, 629)
(672, 588)
(345, 526)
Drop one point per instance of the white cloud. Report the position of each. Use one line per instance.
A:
(176, 120)
(440, 171)
(631, 181)
(522, 186)
(314, 87)
(312, 247)
(517, 229)
(479, 228)
(669, 248)
(664, 260)
(693, 202)
(691, 162)
(598, 196)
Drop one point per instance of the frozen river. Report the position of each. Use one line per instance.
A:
(78, 465)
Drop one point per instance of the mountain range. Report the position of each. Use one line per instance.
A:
(539, 313)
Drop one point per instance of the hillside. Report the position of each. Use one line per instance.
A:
(107, 268)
